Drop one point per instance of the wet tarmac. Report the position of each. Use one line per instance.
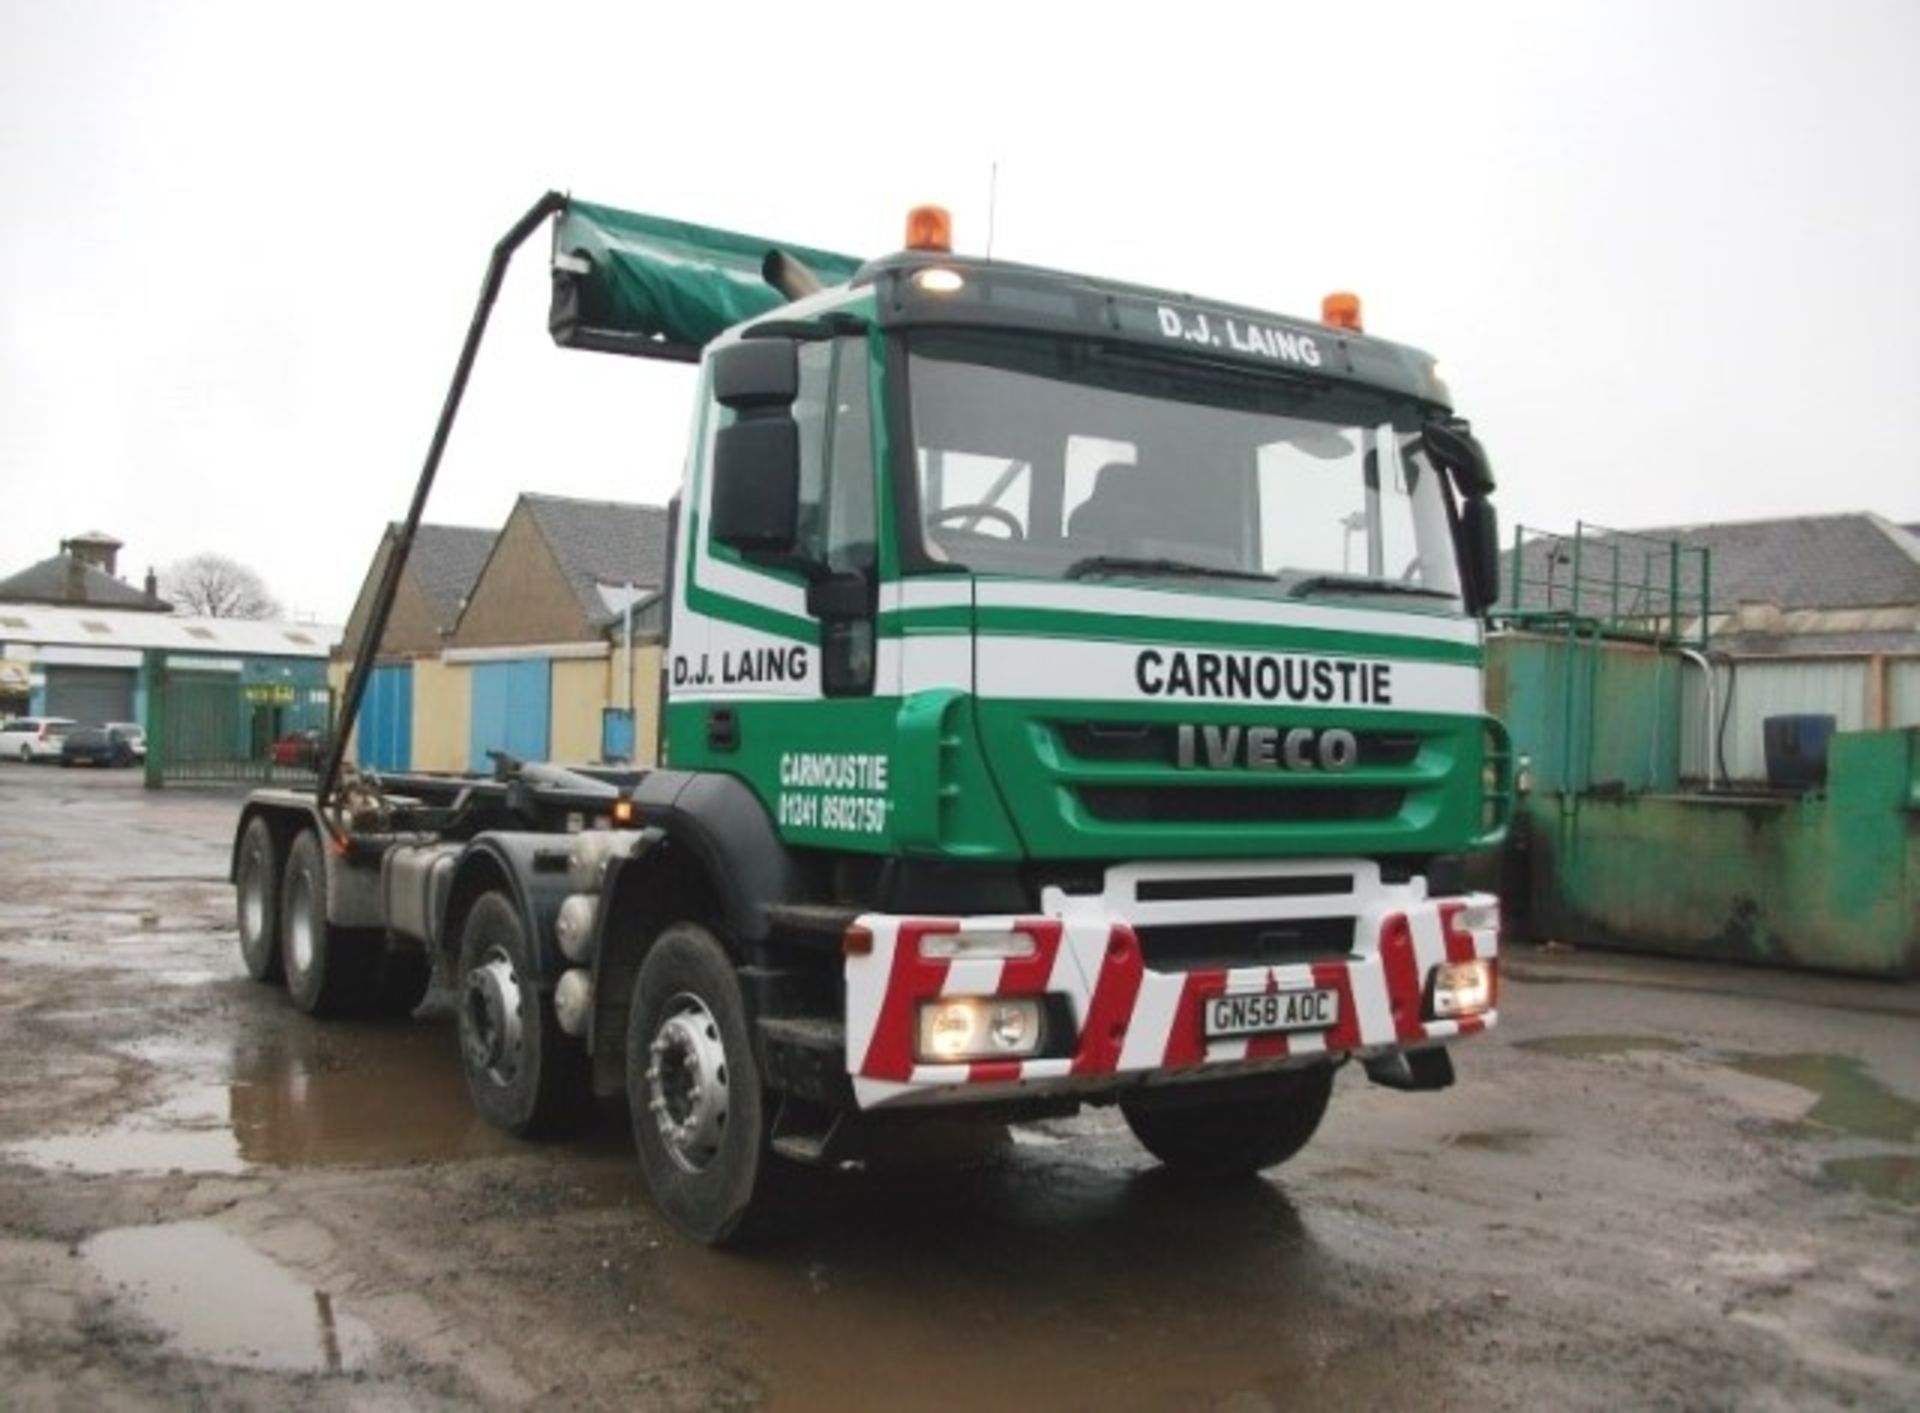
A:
(1654, 1185)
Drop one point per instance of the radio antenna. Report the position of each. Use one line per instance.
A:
(993, 201)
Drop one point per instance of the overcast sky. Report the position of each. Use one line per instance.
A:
(1668, 253)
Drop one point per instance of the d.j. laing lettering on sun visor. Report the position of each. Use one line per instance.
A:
(1256, 340)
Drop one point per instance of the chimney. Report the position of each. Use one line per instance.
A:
(152, 588)
(76, 577)
(94, 548)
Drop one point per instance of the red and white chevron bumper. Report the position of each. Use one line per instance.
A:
(1131, 1023)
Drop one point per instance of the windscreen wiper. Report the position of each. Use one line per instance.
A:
(1360, 583)
(1128, 564)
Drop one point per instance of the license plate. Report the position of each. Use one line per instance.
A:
(1265, 1012)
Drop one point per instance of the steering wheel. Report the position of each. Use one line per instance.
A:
(1015, 531)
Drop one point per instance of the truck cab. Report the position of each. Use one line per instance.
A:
(1130, 641)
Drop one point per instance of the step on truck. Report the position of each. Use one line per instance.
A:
(1071, 695)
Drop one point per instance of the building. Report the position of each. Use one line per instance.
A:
(537, 662)
(83, 575)
(249, 682)
(78, 641)
(440, 571)
(1813, 615)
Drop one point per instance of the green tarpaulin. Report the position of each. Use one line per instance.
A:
(628, 283)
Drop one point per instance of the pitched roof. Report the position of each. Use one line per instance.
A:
(602, 542)
(1854, 560)
(1857, 560)
(446, 560)
(48, 631)
(47, 582)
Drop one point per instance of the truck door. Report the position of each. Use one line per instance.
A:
(772, 671)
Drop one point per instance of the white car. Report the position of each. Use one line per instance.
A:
(136, 736)
(32, 738)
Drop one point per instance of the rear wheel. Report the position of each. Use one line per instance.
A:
(700, 1117)
(526, 1075)
(329, 969)
(257, 902)
(1232, 1137)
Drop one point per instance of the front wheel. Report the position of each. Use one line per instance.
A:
(526, 1075)
(700, 1120)
(1235, 1136)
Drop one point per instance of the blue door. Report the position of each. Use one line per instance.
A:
(386, 718)
(511, 707)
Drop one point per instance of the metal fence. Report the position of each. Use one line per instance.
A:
(1625, 584)
(210, 727)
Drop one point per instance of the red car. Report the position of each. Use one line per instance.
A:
(299, 750)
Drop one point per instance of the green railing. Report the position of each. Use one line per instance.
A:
(208, 728)
(1618, 582)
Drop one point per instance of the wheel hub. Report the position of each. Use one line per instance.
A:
(687, 1083)
(492, 1013)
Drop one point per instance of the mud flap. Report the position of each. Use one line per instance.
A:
(1416, 1071)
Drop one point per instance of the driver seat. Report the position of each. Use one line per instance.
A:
(1118, 511)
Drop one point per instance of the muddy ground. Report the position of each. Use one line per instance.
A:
(1657, 1185)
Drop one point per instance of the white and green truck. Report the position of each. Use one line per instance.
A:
(1072, 695)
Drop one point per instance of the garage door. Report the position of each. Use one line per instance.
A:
(91, 693)
(511, 706)
(386, 718)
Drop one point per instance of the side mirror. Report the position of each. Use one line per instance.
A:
(1451, 444)
(756, 460)
(756, 485)
(757, 373)
(1480, 552)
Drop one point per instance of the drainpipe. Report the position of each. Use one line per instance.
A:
(627, 673)
(1698, 658)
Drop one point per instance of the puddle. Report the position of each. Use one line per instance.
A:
(212, 1296)
(306, 1096)
(1848, 1098)
(335, 1094)
(1892, 1177)
(1175, 1295)
(1592, 1045)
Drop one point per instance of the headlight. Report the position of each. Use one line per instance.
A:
(1462, 989)
(957, 1028)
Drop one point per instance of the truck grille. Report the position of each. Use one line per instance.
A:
(1157, 743)
(1276, 942)
(1237, 804)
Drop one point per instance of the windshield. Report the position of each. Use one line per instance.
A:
(1058, 459)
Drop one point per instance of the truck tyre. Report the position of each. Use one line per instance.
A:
(526, 1075)
(700, 1118)
(329, 969)
(1236, 1136)
(400, 984)
(257, 902)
